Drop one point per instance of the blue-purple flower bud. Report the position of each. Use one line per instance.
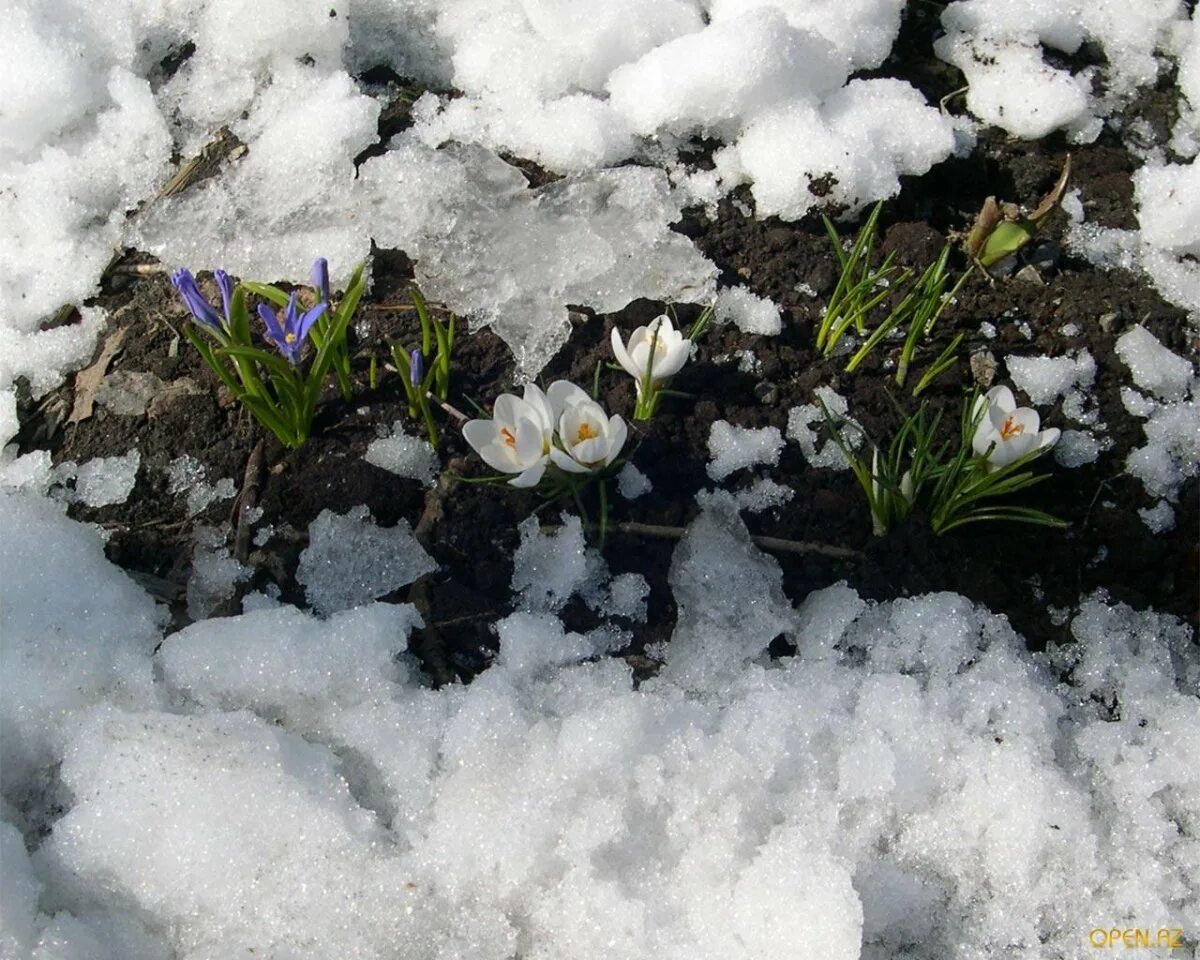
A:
(320, 278)
(416, 368)
(200, 309)
(226, 285)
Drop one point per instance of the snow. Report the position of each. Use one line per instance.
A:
(1000, 46)
(283, 783)
(632, 483)
(549, 568)
(913, 775)
(806, 426)
(215, 573)
(1045, 379)
(186, 474)
(1154, 367)
(404, 455)
(1159, 518)
(733, 448)
(1171, 453)
(99, 482)
(747, 311)
(350, 560)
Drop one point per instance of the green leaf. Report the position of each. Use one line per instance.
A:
(268, 292)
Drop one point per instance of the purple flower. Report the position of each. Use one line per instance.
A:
(290, 334)
(226, 285)
(416, 368)
(320, 278)
(200, 309)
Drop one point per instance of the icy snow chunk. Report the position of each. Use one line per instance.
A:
(1044, 379)
(215, 573)
(1075, 448)
(732, 448)
(404, 455)
(76, 632)
(1159, 518)
(1012, 87)
(101, 481)
(763, 494)
(64, 205)
(747, 311)
(632, 483)
(549, 568)
(19, 890)
(287, 665)
(860, 140)
(862, 31)
(185, 474)
(730, 599)
(997, 44)
(625, 597)
(1168, 206)
(1172, 451)
(289, 197)
(1154, 367)
(234, 794)
(44, 356)
(806, 424)
(531, 642)
(823, 618)
(733, 68)
(512, 258)
(349, 561)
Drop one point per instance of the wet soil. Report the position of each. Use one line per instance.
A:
(1034, 575)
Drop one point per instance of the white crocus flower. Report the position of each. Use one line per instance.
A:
(590, 438)
(671, 352)
(518, 437)
(1006, 432)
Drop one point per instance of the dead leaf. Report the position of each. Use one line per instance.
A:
(88, 381)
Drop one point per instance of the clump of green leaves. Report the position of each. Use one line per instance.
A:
(916, 303)
(279, 386)
(956, 484)
(425, 370)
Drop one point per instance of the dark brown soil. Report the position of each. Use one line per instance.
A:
(1028, 573)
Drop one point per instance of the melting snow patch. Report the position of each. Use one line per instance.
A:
(185, 474)
(733, 448)
(747, 311)
(1172, 451)
(549, 568)
(1159, 518)
(806, 425)
(632, 483)
(1154, 367)
(215, 573)
(99, 482)
(350, 561)
(405, 456)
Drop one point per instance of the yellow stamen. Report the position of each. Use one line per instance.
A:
(289, 337)
(585, 433)
(508, 437)
(1011, 429)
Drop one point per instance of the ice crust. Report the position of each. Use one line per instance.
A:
(912, 781)
(350, 561)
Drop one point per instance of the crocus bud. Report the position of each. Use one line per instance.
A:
(416, 368)
(320, 278)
